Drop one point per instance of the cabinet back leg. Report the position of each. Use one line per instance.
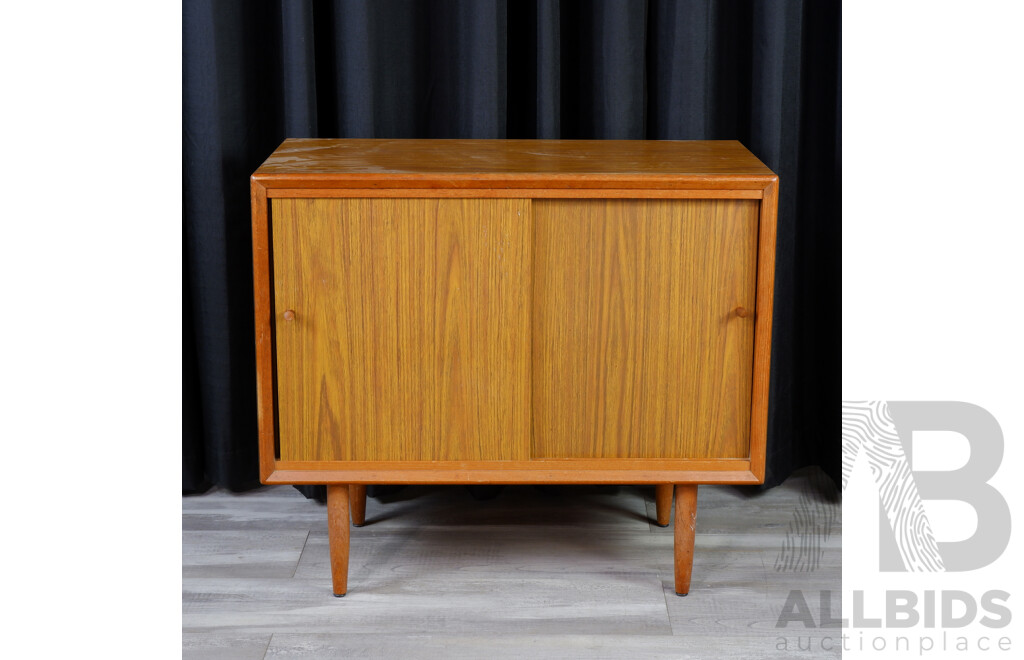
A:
(338, 533)
(663, 502)
(357, 502)
(686, 524)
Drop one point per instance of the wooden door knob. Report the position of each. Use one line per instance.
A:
(742, 312)
(289, 315)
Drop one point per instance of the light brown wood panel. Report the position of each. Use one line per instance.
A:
(763, 329)
(410, 335)
(516, 163)
(535, 471)
(643, 327)
(263, 308)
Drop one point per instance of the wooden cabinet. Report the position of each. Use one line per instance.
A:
(512, 311)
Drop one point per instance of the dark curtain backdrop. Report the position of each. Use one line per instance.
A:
(255, 72)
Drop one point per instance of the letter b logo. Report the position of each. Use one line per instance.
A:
(883, 430)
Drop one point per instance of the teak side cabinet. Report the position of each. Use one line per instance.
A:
(513, 312)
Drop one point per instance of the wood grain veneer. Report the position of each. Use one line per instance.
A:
(535, 471)
(763, 329)
(470, 163)
(410, 338)
(638, 350)
(263, 306)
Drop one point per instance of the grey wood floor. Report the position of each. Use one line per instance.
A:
(559, 572)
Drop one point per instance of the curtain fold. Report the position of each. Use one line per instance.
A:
(254, 73)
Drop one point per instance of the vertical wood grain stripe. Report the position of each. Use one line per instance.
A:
(411, 331)
(639, 351)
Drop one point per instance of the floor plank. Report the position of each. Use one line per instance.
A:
(533, 572)
(530, 604)
(516, 647)
(218, 646)
(241, 553)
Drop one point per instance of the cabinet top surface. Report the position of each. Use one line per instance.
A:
(512, 159)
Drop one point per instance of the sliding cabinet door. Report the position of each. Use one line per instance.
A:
(643, 325)
(402, 328)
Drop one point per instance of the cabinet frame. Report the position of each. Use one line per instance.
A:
(266, 185)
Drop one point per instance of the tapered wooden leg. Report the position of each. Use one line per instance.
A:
(686, 524)
(357, 500)
(663, 500)
(337, 532)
